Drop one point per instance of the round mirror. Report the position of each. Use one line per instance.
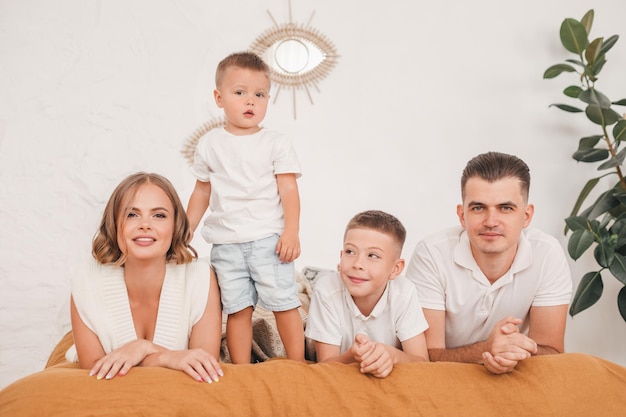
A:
(291, 55)
(298, 57)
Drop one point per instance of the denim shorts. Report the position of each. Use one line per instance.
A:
(250, 272)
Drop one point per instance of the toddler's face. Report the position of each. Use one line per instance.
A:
(244, 95)
(368, 260)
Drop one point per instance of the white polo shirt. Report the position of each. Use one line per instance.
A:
(335, 319)
(447, 278)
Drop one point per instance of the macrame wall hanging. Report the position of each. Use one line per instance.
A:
(299, 57)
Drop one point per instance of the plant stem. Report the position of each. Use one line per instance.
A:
(618, 169)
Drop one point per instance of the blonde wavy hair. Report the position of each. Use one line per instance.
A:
(105, 248)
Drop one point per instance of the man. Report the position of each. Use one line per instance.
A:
(493, 291)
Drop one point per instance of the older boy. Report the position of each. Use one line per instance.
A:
(365, 312)
(493, 292)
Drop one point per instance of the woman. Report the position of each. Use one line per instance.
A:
(145, 299)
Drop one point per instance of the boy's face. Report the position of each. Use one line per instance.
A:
(243, 94)
(368, 260)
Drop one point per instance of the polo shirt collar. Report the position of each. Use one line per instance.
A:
(464, 258)
(379, 308)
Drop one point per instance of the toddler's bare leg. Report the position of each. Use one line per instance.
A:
(239, 335)
(289, 326)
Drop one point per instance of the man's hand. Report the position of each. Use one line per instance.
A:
(507, 346)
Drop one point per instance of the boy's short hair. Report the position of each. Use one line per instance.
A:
(247, 60)
(494, 166)
(381, 222)
(105, 247)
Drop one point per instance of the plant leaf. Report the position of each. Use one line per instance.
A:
(567, 108)
(581, 199)
(579, 242)
(578, 223)
(593, 50)
(574, 36)
(573, 91)
(618, 268)
(600, 116)
(621, 102)
(614, 162)
(557, 69)
(589, 141)
(575, 62)
(619, 130)
(608, 44)
(590, 155)
(593, 96)
(618, 210)
(619, 226)
(621, 302)
(597, 67)
(588, 292)
(622, 199)
(603, 204)
(587, 20)
(604, 253)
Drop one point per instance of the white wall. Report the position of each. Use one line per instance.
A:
(91, 91)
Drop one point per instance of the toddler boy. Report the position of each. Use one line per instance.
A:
(248, 175)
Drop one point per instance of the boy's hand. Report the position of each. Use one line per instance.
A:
(374, 358)
(288, 247)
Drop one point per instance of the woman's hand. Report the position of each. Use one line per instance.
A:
(120, 360)
(197, 363)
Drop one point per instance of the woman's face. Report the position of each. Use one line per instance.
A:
(146, 232)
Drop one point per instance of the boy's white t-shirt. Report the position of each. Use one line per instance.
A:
(335, 319)
(245, 204)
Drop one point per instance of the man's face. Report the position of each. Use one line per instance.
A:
(494, 215)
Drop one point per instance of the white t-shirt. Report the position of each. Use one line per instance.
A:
(448, 278)
(335, 319)
(245, 204)
(101, 298)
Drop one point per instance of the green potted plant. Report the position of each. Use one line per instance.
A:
(601, 224)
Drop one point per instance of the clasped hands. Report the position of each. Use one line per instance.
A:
(197, 363)
(507, 346)
(374, 358)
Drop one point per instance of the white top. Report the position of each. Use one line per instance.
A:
(101, 298)
(448, 278)
(245, 204)
(336, 320)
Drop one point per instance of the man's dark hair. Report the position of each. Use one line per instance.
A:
(494, 166)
